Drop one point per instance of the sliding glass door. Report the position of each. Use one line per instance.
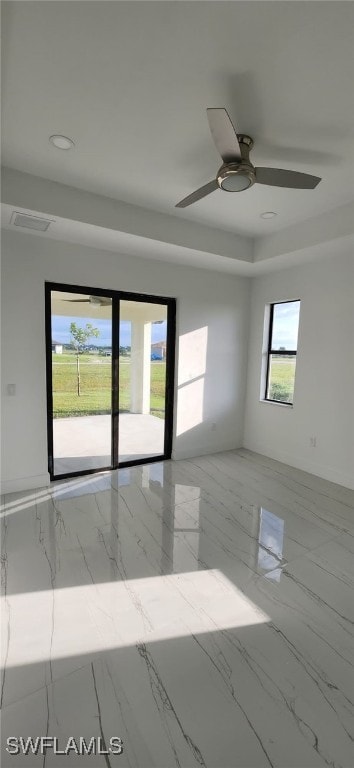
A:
(142, 379)
(110, 361)
(81, 373)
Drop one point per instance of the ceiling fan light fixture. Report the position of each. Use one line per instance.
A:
(236, 178)
(95, 301)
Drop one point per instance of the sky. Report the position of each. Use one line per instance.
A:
(61, 330)
(285, 328)
(285, 325)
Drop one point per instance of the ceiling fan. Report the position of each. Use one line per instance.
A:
(95, 301)
(237, 172)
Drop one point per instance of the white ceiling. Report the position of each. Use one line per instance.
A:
(130, 83)
(61, 304)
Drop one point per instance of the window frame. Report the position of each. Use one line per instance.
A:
(275, 352)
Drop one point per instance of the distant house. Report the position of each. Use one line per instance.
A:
(158, 350)
(57, 347)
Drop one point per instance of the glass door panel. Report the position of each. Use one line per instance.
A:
(81, 371)
(142, 379)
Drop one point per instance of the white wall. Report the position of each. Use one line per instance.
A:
(324, 387)
(212, 331)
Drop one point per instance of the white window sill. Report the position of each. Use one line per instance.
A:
(274, 402)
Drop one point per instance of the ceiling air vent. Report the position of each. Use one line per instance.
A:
(30, 222)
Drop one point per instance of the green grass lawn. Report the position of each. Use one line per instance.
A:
(282, 376)
(95, 374)
(95, 377)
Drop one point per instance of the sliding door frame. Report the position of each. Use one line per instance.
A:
(116, 297)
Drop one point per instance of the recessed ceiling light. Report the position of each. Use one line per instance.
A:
(61, 142)
(268, 215)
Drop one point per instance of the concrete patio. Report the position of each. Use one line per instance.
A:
(84, 442)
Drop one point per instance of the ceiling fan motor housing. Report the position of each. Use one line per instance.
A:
(238, 176)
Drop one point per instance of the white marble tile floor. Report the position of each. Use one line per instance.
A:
(202, 611)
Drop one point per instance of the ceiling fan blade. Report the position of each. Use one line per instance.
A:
(275, 177)
(102, 301)
(224, 135)
(198, 194)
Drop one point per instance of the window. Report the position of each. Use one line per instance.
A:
(282, 350)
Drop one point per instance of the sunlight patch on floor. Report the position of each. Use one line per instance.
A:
(98, 617)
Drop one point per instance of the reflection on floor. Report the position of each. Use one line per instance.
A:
(200, 610)
(84, 442)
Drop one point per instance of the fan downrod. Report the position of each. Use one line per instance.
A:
(246, 144)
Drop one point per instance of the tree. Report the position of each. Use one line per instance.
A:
(79, 338)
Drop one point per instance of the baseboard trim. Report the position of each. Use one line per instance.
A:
(320, 470)
(25, 483)
(191, 453)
